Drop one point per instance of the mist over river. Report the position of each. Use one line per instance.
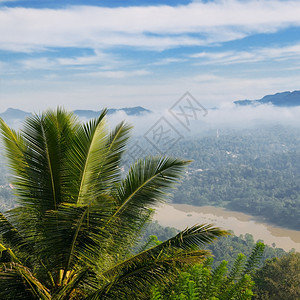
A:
(181, 216)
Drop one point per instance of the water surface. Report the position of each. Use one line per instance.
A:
(182, 215)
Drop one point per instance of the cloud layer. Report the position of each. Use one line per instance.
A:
(149, 27)
(89, 57)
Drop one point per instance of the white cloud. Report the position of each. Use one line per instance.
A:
(98, 60)
(3, 65)
(151, 27)
(38, 63)
(169, 60)
(255, 55)
(254, 116)
(117, 74)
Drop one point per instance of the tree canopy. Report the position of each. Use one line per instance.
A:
(279, 278)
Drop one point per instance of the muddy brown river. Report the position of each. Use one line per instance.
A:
(182, 215)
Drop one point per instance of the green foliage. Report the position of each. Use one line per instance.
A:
(253, 171)
(79, 217)
(279, 278)
(224, 248)
(227, 248)
(201, 281)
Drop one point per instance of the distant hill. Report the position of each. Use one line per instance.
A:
(11, 114)
(130, 111)
(16, 114)
(285, 99)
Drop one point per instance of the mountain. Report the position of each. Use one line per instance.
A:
(130, 111)
(12, 115)
(285, 99)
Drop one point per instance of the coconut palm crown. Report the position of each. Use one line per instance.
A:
(78, 218)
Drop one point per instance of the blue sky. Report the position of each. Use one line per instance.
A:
(91, 54)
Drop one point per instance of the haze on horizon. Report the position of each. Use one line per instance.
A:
(94, 54)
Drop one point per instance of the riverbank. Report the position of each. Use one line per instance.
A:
(182, 215)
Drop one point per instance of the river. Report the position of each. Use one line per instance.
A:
(182, 215)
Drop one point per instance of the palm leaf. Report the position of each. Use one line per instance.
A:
(11, 236)
(99, 155)
(70, 290)
(95, 226)
(94, 160)
(146, 185)
(157, 264)
(47, 139)
(14, 146)
(84, 159)
(189, 239)
(148, 182)
(19, 279)
(136, 282)
(73, 236)
(14, 274)
(116, 145)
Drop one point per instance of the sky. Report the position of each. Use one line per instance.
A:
(93, 54)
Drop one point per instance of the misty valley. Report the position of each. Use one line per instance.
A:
(254, 170)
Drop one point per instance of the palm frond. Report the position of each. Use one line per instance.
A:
(47, 139)
(135, 282)
(158, 263)
(37, 158)
(13, 273)
(148, 182)
(14, 146)
(89, 228)
(20, 280)
(70, 290)
(146, 185)
(73, 236)
(116, 145)
(95, 158)
(85, 158)
(11, 236)
(189, 239)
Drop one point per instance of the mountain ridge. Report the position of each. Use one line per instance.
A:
(282, 99)
(18, 114)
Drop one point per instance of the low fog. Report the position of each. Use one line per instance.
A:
(228, 116)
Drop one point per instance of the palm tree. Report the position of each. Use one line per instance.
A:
(78, 217)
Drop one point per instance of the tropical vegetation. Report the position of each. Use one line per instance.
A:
(224, 248)
(73, 232)
(279, 278)
(254, 170)
(202, 281)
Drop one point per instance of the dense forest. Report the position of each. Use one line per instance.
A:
(256, 171)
